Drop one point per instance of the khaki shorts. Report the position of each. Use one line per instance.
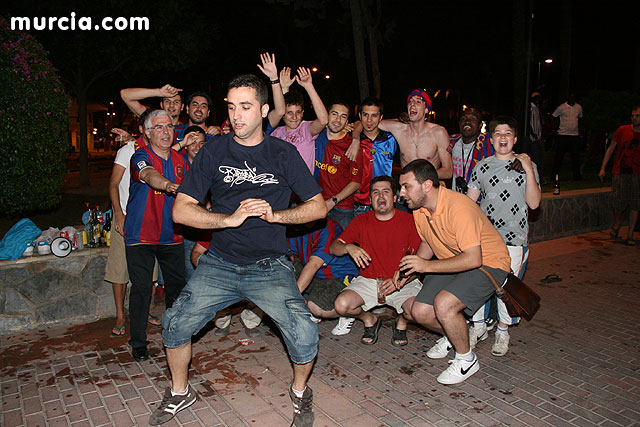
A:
(368, 291)
(116, 269)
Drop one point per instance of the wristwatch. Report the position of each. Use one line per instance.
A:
(334, 199)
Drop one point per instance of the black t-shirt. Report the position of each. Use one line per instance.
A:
(232, 172)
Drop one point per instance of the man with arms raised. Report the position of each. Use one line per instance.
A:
(447, 219)
(417, 138)
(250, 177)
(171, 100)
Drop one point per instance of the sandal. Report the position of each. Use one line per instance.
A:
(614, 232)
(371, 333)
(399, 335)
(630, 242)
(154, 321)
(551, 278)
(118, 331)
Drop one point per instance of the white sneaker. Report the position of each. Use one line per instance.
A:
(344, 326)
(475, 335)
(458, 371)
(314, 319)
(501, 346)
(440, 349)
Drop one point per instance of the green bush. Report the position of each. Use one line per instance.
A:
(34, 119)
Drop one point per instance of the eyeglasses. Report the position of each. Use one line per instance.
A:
(160, 128)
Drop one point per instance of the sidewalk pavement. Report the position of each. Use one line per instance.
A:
(576, 363)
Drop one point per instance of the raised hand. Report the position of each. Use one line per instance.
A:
(285, 79)
(304, 77)
(168, 91)
(268, 66)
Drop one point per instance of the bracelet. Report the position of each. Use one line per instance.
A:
(275, 82)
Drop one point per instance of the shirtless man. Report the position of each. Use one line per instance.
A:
(417, 138)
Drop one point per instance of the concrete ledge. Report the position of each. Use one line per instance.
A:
(45, 290)
(570, 213)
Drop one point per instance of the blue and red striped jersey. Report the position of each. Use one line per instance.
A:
(149, 219)
(317, 244)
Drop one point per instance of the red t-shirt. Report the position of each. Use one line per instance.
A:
(383, 241)
(626, 158)
(339, 170)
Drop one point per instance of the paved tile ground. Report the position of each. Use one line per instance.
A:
(576, 363)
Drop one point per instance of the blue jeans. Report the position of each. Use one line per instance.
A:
(188, 267)
(359, 208)
(218, 283)
(341, 216)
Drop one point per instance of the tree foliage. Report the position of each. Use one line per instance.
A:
(34, 118)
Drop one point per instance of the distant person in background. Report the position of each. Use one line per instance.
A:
(568, 132)
(535, 132)
(626, 174)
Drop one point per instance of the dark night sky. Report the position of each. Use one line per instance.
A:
(463, 47)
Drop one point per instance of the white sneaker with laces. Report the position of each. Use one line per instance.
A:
(501, 346)
(458, 371)
(344, 326)
(440, 349)
(476, 335)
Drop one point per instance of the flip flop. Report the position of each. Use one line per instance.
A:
(614, 232)
(371, 332)
(399, 335)
(551, 278)
(121, 332)
(154, 321)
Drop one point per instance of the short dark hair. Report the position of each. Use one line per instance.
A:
(504, 120)
(339, 102)
(143, 117)
(293, 97)
(251, 81)
(194, 128)
(423, 170)
(371, 101)
(199, 93)
(384, 178)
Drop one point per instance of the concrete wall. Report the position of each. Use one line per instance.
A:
(570, 213)
(43, 290)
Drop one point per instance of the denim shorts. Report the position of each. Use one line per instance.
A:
(268, 283)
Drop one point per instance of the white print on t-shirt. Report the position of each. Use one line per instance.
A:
(238, 176)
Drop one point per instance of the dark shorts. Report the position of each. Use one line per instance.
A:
(471, 287)
(626, 191)
(323, 292)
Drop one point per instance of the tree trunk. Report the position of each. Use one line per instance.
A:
(358, 47)
(565, 50)
(372, 35)
(519, 63)
(82, 141)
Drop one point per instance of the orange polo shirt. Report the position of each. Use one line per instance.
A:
(461, 224)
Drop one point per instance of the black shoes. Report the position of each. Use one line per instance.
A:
(140, 354)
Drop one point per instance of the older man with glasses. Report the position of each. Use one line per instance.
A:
(156, 173)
